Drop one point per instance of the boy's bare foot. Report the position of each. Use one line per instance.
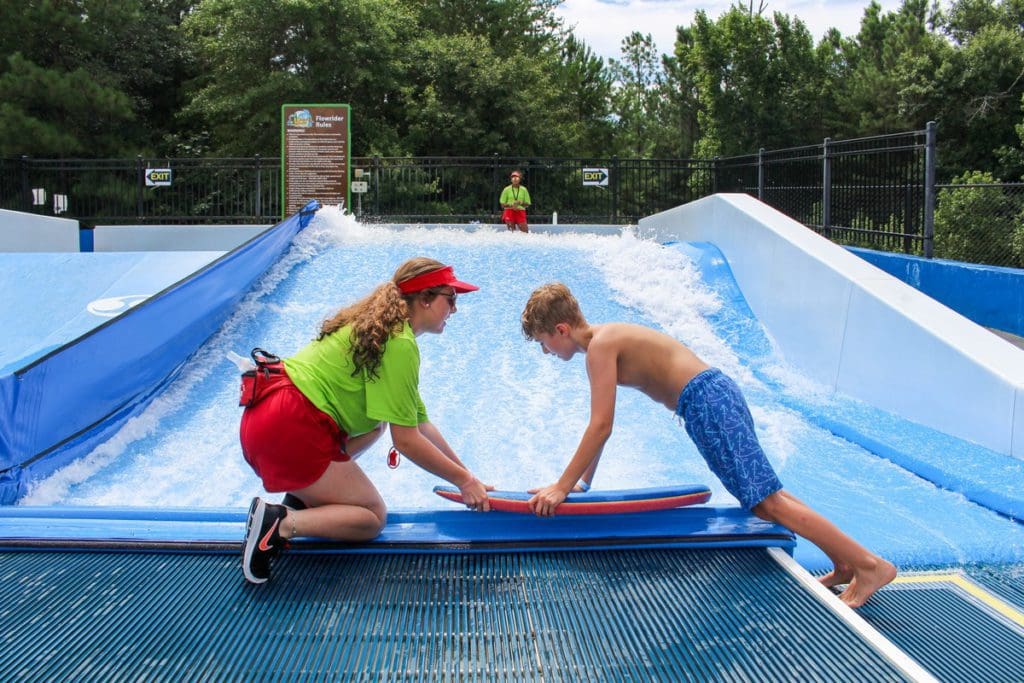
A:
(864, 583)
(838, 576)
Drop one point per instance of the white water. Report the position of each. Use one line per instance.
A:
(513, 414)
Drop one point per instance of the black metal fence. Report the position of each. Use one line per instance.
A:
(980, 223)
(870, 191)
(878, 192)
(875, 192)
(399, 189)
(595, 190)
(118, 191)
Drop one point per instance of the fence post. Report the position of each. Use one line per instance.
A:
(140, 177)
(26, 191)
(908, 221)
(495, 188)
(615, 189)
(929, 188)
(376, 184)
(760, 174)
(826, 189)
(259, 190)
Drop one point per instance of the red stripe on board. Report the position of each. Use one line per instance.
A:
(606, 507)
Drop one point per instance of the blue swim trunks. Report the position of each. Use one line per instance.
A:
(719, 422)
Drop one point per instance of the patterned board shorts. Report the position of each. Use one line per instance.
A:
(719, 422)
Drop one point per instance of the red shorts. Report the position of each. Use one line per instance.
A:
(287, 440)
(514, 216)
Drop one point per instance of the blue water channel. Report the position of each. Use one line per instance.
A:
(515, 415)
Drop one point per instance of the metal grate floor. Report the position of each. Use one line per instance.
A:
(955, 627)
(656, 614)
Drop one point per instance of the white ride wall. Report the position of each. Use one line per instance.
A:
(27, 232)
(857, 329)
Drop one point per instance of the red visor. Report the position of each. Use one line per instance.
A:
(435, 278)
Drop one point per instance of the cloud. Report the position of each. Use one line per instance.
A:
(603, 24)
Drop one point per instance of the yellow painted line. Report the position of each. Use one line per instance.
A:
(968, 586)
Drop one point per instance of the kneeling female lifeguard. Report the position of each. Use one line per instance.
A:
(334, 398)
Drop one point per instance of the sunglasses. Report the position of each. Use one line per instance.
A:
(452, 298)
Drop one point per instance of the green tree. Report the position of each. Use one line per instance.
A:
(452, 77)
(500, 77)
(758, 82)
(889, 86)
(982, 85)
(503, 78)
(978, 223)
(467, 100)
(88, 77)
(510, 27)
(833, 55)
(966, 18)
(637, 95)
(584, 83)
(680, 121)
(259, 54)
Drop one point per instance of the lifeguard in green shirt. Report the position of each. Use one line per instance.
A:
(312, 415)
(514, 199)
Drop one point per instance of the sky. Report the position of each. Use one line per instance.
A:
(602, 24)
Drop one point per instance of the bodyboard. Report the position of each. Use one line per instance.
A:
(596, 502)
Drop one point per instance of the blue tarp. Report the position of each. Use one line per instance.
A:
(61, 405)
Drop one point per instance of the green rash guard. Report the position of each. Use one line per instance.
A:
(323, 373)
(508, 197)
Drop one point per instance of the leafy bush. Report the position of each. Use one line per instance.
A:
(979, 222)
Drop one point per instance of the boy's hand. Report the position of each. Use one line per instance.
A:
(545, 501)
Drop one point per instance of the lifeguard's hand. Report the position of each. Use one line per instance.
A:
(545, 501)
(474, 495)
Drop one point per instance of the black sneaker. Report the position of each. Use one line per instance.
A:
(293, 502)
(263, 540)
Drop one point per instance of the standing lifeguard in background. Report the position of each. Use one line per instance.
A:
(309, 417)
(514, 200)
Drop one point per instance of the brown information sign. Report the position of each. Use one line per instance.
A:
(314, 155)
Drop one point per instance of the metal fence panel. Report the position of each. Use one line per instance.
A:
(115, 190)
(446, 189)
(864, 192)
(877, 192)
(980, 223)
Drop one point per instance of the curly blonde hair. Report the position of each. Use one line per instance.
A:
(549, 305)
(377, 316)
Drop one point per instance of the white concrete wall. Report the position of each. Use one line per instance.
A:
(172, 237)
(857, 329)
(23, 232)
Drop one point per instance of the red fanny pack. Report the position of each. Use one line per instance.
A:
(256, 384)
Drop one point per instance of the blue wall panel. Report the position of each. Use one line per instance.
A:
(989, 295)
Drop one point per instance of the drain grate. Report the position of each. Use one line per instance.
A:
(954, 627)
(654, 614)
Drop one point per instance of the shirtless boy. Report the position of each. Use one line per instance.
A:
(717, 419)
